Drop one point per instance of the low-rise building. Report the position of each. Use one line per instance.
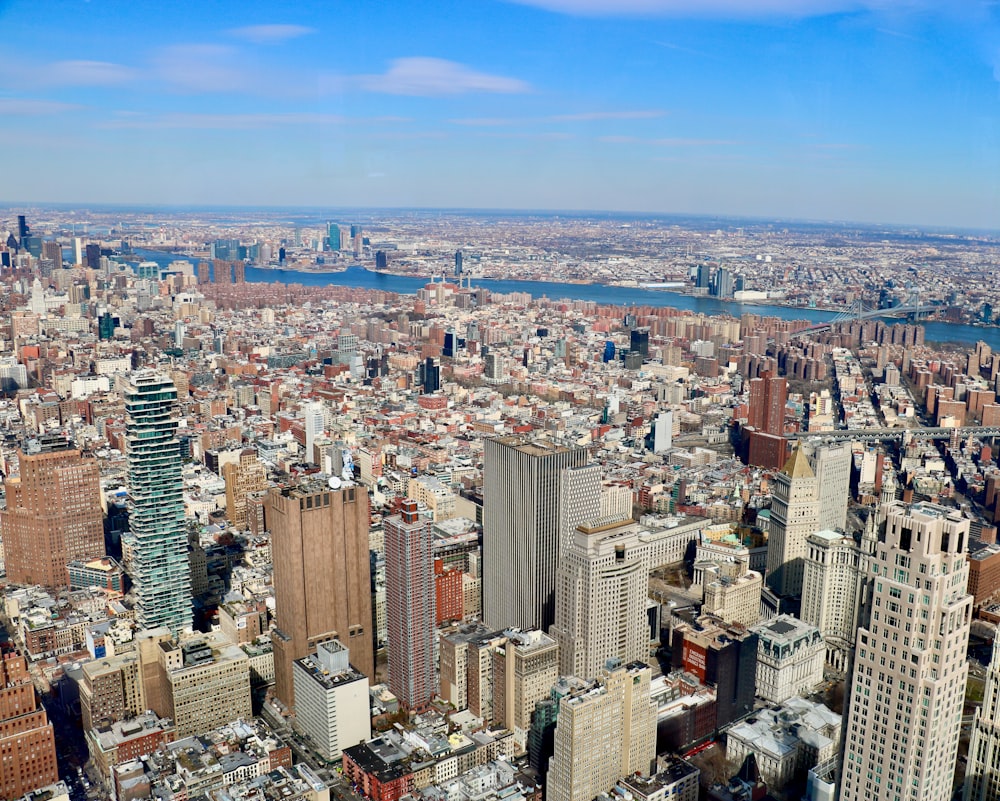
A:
(790, 657)
(786, 741)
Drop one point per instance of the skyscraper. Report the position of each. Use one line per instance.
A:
(242, 478)
(521, 529)
(794, 516)
(910, 669)
(832, 583)
(602, 586)
(313, 423)
(410, 606)
(525, 666)
(53, 516)
(322, 575)
(982, 774)
(832, 464)
(27, 741)
(604, 731)
(158, 534)
(768, 396)
(333, 236)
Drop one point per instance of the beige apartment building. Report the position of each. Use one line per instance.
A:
(910, 670)
(605, 731)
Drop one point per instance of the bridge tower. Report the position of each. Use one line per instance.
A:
(913, 301)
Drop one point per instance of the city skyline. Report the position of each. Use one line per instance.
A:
(822, 110)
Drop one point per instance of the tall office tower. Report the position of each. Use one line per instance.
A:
(663, 432)
(357, 239)
(521, 536)
(410, 606)
(53, 516)
(982, 774)
(494, 369)
(92, 256)
(794, 516)
(832, 464)
(333, 236)
(27, 741)
(78, 251)
(52, 251)
(832, 584)
(158, 534)
(525, 667)
(580, 501)
(703, 279)
(639, 341)
(242, 478)
(605, 731)
(429, 376)
(723, 283)
(768, 396)
(602, 586)
(313, 423)
(458, 262)
(322, 575)
(910, 670)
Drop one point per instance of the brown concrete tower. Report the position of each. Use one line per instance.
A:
(53, 516)
(322, 575)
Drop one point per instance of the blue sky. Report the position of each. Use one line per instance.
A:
(814, 109)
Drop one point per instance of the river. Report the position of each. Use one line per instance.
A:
(358, 276)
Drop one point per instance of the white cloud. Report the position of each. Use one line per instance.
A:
(593, 116)
(437, 77)
(26, 107)
(668, 142)
(222, 121)
(586, 116)
(713, 8)
(270, 34)
(201, 68)
(129, 119)
(21, 72)
(85, 73)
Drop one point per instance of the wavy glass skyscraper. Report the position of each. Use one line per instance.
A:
(158, 537)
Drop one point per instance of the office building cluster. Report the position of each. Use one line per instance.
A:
(279, 541)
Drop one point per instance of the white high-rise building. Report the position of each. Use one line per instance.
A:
(616, 501)
(602, 587)
(832, 465)
(313, 423)
(794, 516)
(605, 730)
(331, 700)
(982, 774)
(832, 585)
(579, 500)
(910, 669)
(663, 432)
(522, 502)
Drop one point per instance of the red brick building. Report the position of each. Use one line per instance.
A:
(27, 742)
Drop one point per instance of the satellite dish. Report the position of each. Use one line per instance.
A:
(334, 482)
